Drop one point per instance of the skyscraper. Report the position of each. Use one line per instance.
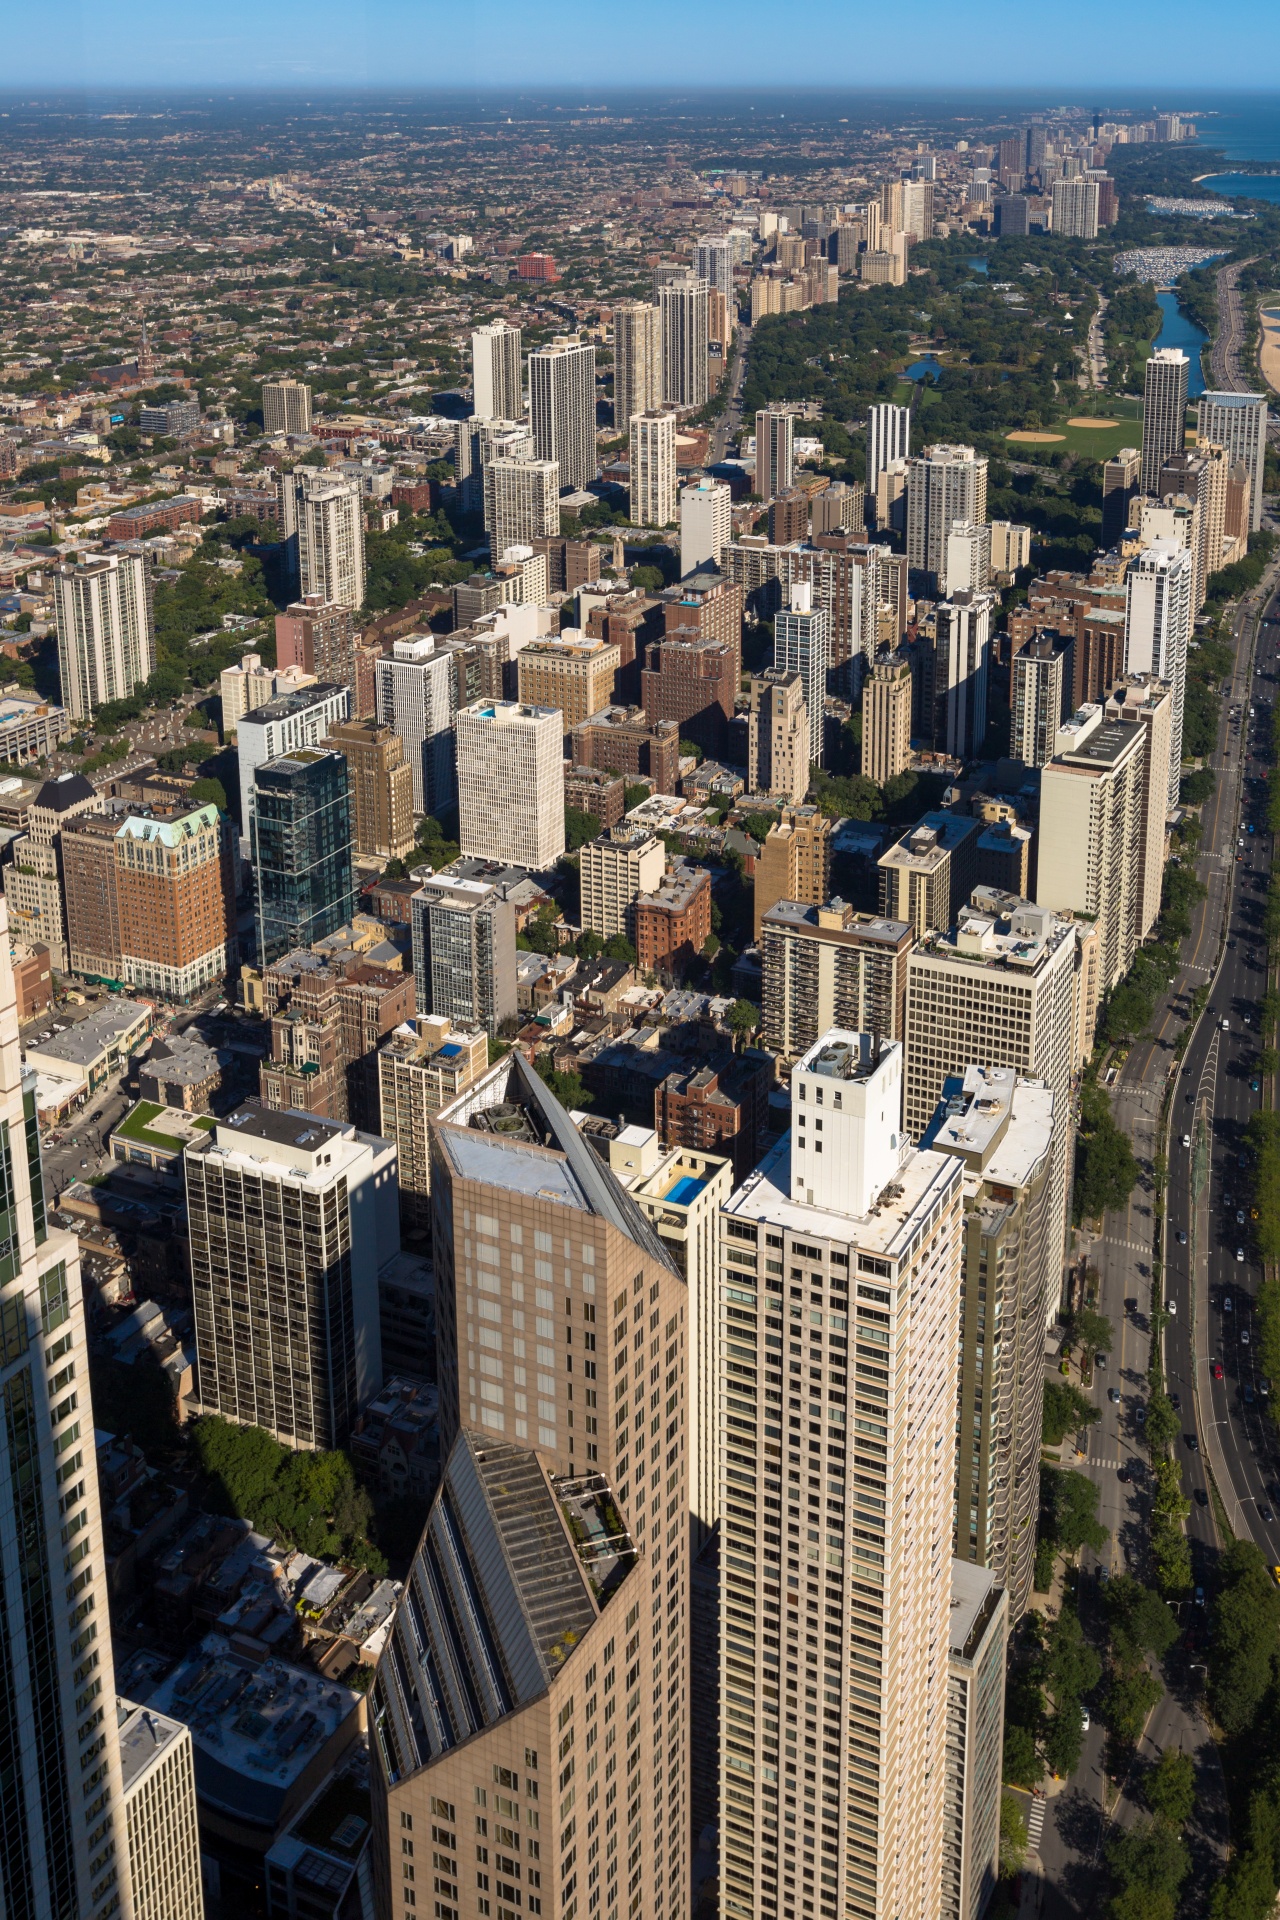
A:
(1040, 697)
(290, 1218)
(682, 304)
(637, 360)
(778, 736)
(888, 439)
(1091, 841)
(286, 406)
(713, 262)
(511, 782)
(886, 718)
(653, 468)
(521, 503)
(826, 963)
(1159, 616)
(841, 1235)
(706, 524)
(1075, 208)
(1147, 703)
(968, 558)
(1121, 479)
(160, 1814)
(1237, 422)
(464, 950)
(496, 382)
(298, 719)
(62, 1857)
(562, 405)
(961, 661)
(319, 637)
(555, 1562)
(106, 640)
(975, 1741)
(801, 644)
(301, 833)
(381, 781)
(175, 901)
(417, 694)
(1164, 413)
(944, 484)
(775, 453)
(322, 520)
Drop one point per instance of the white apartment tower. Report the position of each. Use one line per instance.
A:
(496, 383)
(625, 862)
(713, 262)
(682, 304)
(322, 519)
(106, 643)
(511, 783)
(706, 524)
(521, 502)
(1237, 422)
(562, 406)
(160, 1814)
(1164, 413)
(1159, 616)
(888, 440)
(1075, 208)
(637, 359)
(416, 691)
(64, 1851)
(962, 654)
(802, 644)
(653, 468)
(836, 1503)
(775, 453)
(286, 406)
(944, 484)
(1091, 833)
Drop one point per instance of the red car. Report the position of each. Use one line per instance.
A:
(1217, 1369)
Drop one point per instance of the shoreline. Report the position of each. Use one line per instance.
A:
(1269, 340)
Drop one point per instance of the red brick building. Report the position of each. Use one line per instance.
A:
(537, 266)
(416, 496)
(621, 740)
(155, 516)
(592, 790)
(317, 635)
(720, 1106)
(674, 923)
(691, 682)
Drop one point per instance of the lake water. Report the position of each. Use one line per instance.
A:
(1179, 331)
(1255, 186)
(930, 368)
(979, 266)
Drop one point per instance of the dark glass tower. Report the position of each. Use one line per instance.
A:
(302, 840)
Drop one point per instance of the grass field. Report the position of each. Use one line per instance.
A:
(1100, 443)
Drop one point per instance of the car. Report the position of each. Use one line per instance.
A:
(1175, 1401)
(1248, 1395)
(1265, 1513)
(1202, 1498)
(1182, 1238)
(1240, 1254)
(1226, 1026)
(1140, 1414)
(1099, 1359)
(1193, 1445)
(1171, 1306)
(1239, 1216)
(1217, 1369)
(84, 1163)
(1085, 1722)
(1186, 1139)
(1244, 1336)
(1255, 1086)
(1228, 1304)
(1123, 1474)
(1199, 1596)
(1113, 1395)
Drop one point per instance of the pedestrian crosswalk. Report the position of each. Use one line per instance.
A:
(1035, 1824)
(1134, 1246)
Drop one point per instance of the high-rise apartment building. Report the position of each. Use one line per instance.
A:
(637, 359)
(827, 965)
(556, 1555)
(381, 783)
(464, 949)
(290, 1218)
(841, 1235)
(570, 671)
(1164, 413)
(625, 862)
(944, 484)
(417, 698)
(961, 667)
(1121, 480)
(968, 558)
(1147, 703)
(249, 685)
(106, 637)
(318, 637)
(286, 406)
(795, 861)
(889, 438)
(775, 452)
(1199, 478)
(64, 1853)
(713, 259)
(159, 1814)
(521, 502)
(301, 834)
(682, 305)
(1237, 422)
(175, 901)
(975, 1742)
(301, 718)
(1159, 617)
(802, 644)
(1091, 841)
(927, 875)
(886, 719)
(1010, 546)
(1001, 1129)
(34, 876)
(778, 736)
(322, 521)
(706, 524)
(497, 384)
(562, 407)
(1040, 697)
(1075, 208)
(425, 1065)
(653, 468)
(511, 783)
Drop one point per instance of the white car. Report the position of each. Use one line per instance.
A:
(1171, 1306)
(1085, 1722)
(1186, 1139)
(1240, 1254)
(1244, 1336)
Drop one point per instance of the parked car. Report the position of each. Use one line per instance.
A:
(1140, 1414)
(1217, 1369)
(1113, 1395)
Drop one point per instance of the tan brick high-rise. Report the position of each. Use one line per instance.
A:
(795, 863)
(381, 786)
(886, 719)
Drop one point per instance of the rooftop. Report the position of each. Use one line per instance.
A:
(929, 842)
(998, 930)
(145, 1735)
(85, 1042)
(974, 1598)
(285, 705)
(887, 1230)
(839, 920)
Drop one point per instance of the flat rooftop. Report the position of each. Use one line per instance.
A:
(887, 1231)
(1104, 747)
(974, 1593)
(82, 1044)
(837, 921)
(285, 705)
(928, 843)
(145, 1735)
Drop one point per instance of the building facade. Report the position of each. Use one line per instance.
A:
(1164, 413)
(511, 783)
(653, 467)
(829, 965)
(417, 698)
(322, 520)
(302, 844)
(106, 638)
(778, 750)
(464, 950)
(562, 406)
(497, 383)
(637, 360)
(625, 862)
(1159, 620)
(886, 719)
(381, 785)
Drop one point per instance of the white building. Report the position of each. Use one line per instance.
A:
(1237, 422)
(979, 1631)
(511, 783)
(287, 721)
(968, 561)
(962, 656)
(1159, 616)
(888, 440)
(835, 1554)
(637, 359)
(713, 261)
(706, 524)
(322, 520)
(624, 862)
(160, 1814)
(653, 468)
(249, 684)
(417, 696)
(802, 644)
(944, 484)
(521, 502)
(1164, 413)
(286, 406)
(1010, 546)
(682, 303)
(1075, 208)
(562, 406)
(496, 382)
(1091, 834)
(775, 452)
(106, 640)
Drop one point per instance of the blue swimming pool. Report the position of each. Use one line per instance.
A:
(685, 1190)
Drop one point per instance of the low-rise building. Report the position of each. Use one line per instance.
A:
(718, 1106)
(30, 728)
(673, 922)
(95, 1048)
(395, 1444)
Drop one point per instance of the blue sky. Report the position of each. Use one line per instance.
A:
(1089, 45)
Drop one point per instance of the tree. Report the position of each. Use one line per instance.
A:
(1069, 1666)
(1090, 1331)
(743, 1019)
(1013, 1838)
(1106, 1170)
(1023, 1766)
(1140, 1615)
(1065, 1408)
(579, 827)
(1163, 1424)
(1149, 1865)
(1069, 1507)
(1170, 1788)
(209, 789)
(1246, 1635)
(1131, 1694)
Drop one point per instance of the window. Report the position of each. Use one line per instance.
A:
(55, 1304)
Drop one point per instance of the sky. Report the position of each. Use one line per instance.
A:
(1088, 45)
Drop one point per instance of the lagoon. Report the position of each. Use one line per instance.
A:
(1178, 330)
